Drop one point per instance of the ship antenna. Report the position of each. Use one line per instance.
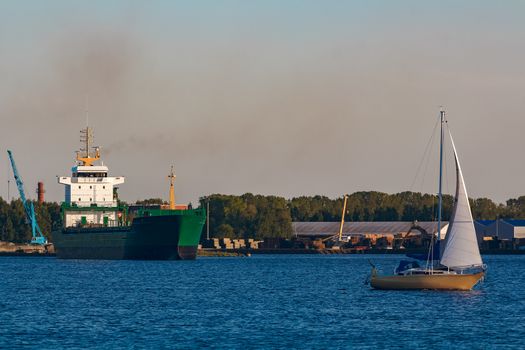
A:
(87, 110)
(86, 138)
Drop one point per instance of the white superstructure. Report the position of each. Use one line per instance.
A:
(91, 188)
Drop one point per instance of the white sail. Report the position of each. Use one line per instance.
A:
(461, 244)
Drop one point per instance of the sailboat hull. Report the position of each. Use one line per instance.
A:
(419, 282)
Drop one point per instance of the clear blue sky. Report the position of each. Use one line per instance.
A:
(273, 97)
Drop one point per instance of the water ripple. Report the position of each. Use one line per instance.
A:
(271, 302)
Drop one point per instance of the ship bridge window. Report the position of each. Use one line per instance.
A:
(91, 174)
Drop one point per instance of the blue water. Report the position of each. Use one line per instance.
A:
(265, 301)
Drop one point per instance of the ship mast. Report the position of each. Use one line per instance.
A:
(172, 177)
(84, 155)
(440, 193)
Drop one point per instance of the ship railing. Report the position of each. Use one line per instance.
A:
(105, 204)
(89, 179)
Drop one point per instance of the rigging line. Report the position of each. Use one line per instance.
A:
(433, 215)
(426, 169)
(429, 156)
(427, 150)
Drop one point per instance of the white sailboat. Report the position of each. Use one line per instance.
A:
(460, 266)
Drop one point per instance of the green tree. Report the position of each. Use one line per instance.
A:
(224, 231)
(484, 209)
(151, 201)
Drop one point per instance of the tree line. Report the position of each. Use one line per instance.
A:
(258, 216)
(13, 223)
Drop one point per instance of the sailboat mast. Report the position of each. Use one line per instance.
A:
(440, 193)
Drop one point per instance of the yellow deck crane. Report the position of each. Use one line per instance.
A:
(338, 237)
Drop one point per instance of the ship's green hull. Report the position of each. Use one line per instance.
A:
(155, 235)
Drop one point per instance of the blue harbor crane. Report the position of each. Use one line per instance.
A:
(38, 237)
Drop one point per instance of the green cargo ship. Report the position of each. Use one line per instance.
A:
(95, 226)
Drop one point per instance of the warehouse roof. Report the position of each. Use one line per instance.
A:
(515, 222)
(357, 228)
(485, 222)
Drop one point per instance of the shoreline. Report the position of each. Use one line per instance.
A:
(248, 252)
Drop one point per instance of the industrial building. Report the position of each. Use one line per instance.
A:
(486, 230)
(352, 229)
(503, 229)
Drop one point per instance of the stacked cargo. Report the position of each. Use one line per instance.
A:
(227, 243)
(211, 243)
(239, 243)
(253, 244)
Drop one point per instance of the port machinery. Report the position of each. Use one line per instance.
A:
(38, 237)
(337, 239)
